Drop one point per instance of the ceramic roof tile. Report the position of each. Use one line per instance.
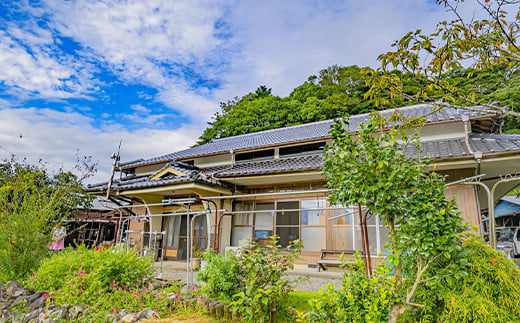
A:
(436, 150)
(314, 130)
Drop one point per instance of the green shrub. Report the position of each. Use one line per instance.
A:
(220, 276)
(254, 283)
(85, 273)
(135, 299)
(359, 299)
(32, 201)
(263, 294)
(489, 292)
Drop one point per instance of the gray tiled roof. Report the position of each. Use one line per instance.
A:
(272, 166)
(452, 148)
(133, 182)
(144, 182)
(436, 150)
(307, 131)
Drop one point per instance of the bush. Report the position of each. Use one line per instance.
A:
(359, 299)
(255, 282)
(107, 281)
(32, 201)
(135, 299)
(489, 292)
(87, 273)
(265, 288)
(220, 276)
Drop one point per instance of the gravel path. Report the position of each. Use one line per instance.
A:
(311, 284)
(314, 284)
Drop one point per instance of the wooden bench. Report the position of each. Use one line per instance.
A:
(323, 261)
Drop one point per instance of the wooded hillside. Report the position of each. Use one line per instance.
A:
(338, 90)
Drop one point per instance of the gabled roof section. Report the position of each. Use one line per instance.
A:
(172, 173)
(174, 169)
(303, 132)
(168, 171)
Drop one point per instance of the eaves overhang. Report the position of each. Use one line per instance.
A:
(171, 188)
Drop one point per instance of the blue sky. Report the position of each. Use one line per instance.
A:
(78, 76)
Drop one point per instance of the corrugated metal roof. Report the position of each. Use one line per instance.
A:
(511, 199)
(307, 131)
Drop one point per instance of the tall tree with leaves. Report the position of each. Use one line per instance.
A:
(483, 45)
(370, 167)
(32, 202)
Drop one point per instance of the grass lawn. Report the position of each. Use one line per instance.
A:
(300, 299)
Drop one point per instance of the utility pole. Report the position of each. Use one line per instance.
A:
(116, 158)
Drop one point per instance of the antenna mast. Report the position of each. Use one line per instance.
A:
(116, 158)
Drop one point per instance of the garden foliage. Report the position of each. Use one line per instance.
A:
(107, 281)
(261, 288)
(380, 167)
(31, 203)
(220, 276)
(359, 299)
(83, 275)
(490, 292)
(136, 298)
(266, 288)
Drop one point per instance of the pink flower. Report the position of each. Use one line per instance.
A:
(45, 295)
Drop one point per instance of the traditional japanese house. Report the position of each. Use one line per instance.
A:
(270, 182)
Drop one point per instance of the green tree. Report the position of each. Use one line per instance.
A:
(450, 63)
(31, 203)
(334, 91)
(370, 168)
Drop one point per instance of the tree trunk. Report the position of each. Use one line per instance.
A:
(396, 310)
(397, 268)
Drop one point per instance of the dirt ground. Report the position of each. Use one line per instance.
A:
(194, 318)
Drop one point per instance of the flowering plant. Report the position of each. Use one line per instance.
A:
(89, 271)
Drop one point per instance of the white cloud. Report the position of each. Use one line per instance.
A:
(55, 137)
(150, 43)
(284, 42)
(31, 69)
(170, 45)
(139, 108)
